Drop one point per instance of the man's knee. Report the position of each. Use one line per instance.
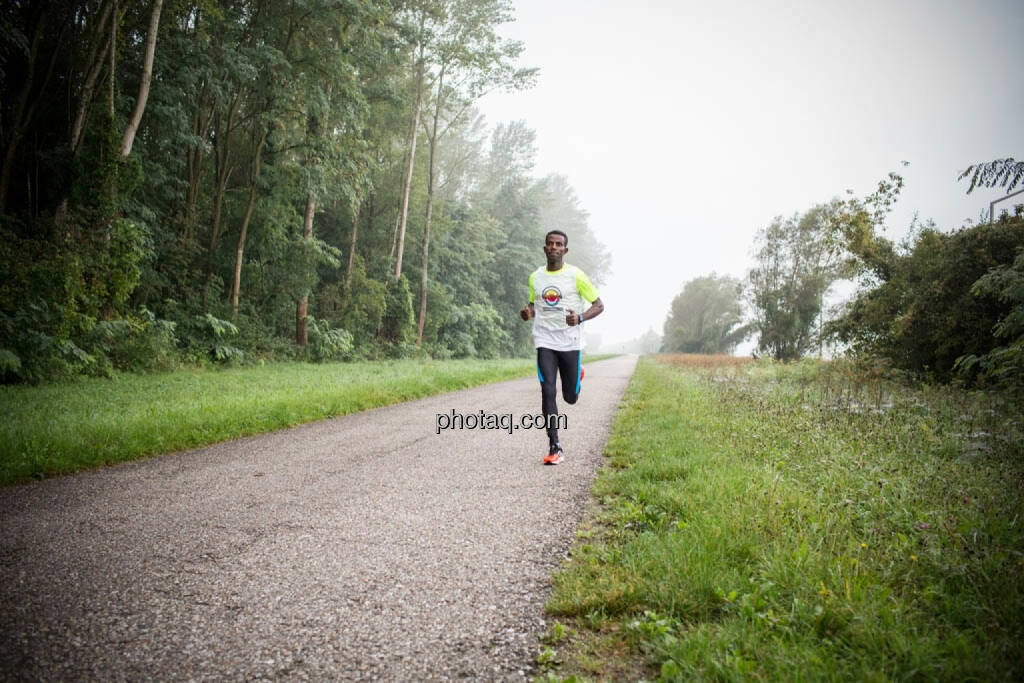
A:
(570, 398)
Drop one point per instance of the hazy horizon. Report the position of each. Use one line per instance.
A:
(684, 128)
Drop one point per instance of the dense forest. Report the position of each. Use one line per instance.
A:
(220, 182)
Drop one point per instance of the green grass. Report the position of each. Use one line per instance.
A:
(749, 525)
(62, 428)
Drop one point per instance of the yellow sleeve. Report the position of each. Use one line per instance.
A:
(583, 285)
(531, 285)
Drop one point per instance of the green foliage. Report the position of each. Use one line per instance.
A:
(255, 113)
(999, 173)
(139, 342)
(398, 327)
(706, 317)
(1003, 365)
(9, 363)
(924, 312)
(474, 331)
(37, 346)
(357, 307)
(207, 338)
(327, 344)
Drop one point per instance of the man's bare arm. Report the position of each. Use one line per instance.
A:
(596, 309)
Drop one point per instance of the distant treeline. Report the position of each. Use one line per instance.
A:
(937, 306)
(207, 182)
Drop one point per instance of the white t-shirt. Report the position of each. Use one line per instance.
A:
(553, 295)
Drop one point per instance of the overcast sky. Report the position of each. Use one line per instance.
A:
(686, 126)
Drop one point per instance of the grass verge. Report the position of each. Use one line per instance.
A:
(68, 427)
(748, 525)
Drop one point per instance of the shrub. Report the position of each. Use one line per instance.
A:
(206, 339)
(1003, 365)
(326, 343)
(926, 310)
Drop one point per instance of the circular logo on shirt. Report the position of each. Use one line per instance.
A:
(551, 295)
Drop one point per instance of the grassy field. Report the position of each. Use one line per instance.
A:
(61, 428)
(807, 522)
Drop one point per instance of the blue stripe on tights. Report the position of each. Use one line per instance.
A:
(579, 364)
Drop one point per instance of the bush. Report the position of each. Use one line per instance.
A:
(36, 345)
(926, 310)
(1003, 365)
(206, 338)
(327, 344)
(474, 331)
(398, 327)
(359, 307)
(136, 343)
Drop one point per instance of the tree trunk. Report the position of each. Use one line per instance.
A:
(224, 169)
(147, 77)
(352, 247)
(240, 252)
(430, 207)
(314, 128)
(394, 241)
(406, 190)
(113, 62)
(194, 164)
(423, 274)
(412, 156)
(301, 334)
(102, 53)
(95, 67)
(5, 175)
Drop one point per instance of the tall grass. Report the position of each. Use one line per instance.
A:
(61, 428)
(752, 524)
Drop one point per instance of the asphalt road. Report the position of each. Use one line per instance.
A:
(363, 547)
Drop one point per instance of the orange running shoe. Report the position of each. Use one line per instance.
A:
(555, 457)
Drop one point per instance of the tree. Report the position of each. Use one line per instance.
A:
(398, 244)
(330, 105)
(706, 317)
(797, 262)
(470, 59)
(560, 210)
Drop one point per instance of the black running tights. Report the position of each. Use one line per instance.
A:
(550, 364)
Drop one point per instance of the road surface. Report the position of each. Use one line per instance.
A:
(362, 547)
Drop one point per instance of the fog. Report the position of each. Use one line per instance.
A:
(685, 127)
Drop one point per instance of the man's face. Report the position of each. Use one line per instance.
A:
(554, 247)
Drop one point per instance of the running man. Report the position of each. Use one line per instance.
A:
(558, 330)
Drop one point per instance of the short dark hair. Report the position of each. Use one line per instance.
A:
(557, 232)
